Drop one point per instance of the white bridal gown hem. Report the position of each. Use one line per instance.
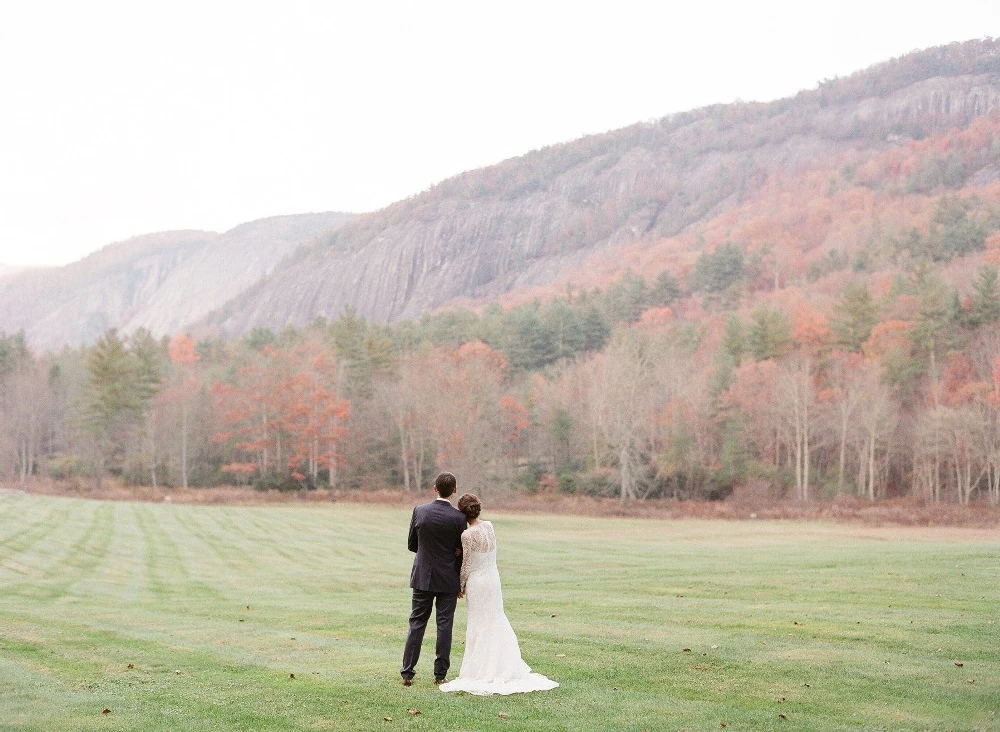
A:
(484, 687)
(492, 661)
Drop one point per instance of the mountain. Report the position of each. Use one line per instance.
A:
(556, 215)
(163, 282)
(811, 181)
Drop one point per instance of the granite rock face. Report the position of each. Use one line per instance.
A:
(530, 220)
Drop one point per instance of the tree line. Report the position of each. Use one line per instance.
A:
(645, 388)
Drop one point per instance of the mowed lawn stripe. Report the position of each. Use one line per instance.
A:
(646, 624)
(32, 535)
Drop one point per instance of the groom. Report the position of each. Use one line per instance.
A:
(436, 536)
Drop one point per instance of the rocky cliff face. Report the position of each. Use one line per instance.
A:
(525, 222)
(162, 282)
(531, 220)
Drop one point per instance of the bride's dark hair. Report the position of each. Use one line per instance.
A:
(469, 505)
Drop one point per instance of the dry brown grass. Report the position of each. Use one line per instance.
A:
(845, 509)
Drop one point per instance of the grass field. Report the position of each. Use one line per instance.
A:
(194, 618)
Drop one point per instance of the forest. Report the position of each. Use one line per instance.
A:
(837, 331)
(607, 392)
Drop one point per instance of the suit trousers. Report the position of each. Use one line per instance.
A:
(422, 603)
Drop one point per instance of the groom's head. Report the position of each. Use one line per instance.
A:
(444, 484)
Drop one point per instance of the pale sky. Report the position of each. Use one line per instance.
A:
(122, 118)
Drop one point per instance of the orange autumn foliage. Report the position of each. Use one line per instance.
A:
(885, 337)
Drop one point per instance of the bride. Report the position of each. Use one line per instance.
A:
(492, 662)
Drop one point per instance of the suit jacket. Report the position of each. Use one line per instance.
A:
(435, 532)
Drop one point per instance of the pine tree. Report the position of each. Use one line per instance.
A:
(854, 317)
(665, 290)
(985, 306)
(562, 322)
(117, 395)
(734, 340)
(936, 331)
(719, 270)
(770, 334)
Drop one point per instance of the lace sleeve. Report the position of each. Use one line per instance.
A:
(466, 558)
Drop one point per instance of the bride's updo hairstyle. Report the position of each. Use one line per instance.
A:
(469, 505)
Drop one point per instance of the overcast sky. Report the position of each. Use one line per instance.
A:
(125, 118)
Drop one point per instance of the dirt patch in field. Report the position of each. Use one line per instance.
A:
(843, 509)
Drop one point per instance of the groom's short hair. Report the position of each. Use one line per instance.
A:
(445, 484)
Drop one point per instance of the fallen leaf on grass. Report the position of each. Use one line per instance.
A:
(414, 711)
(782, 716)
(560, 655)
(686, 650)
(796, 622)
(502, 715)
(177, 671)
(387, 719)
(241, 620)
(959, 664)
(131, 665)
(248, 607)
(106, 711)
(291, 676)
(553, 615)
(970, 681)
(723, 725)
(714, 647)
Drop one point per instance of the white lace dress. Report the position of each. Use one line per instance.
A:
(492, 662)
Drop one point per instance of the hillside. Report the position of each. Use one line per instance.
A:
(162, 281)
(651, 195)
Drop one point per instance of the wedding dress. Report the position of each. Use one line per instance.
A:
(492, 662)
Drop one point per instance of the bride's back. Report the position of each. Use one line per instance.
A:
(481, 538)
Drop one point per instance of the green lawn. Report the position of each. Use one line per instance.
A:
(789, 625)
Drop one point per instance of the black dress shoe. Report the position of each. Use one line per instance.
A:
(407, 682)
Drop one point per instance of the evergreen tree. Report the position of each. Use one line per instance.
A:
(563, 325)
(596, 327)
(366, 352)
(13, 350)
(150, 365)
(985, 306)
(118, 391)
(937, 329)
(953, 231)
(854, 316)
(770, 334)
(260, 337)
(666, 290)
(527, 342)
(719, 270)
(734, 342)
(627, 298)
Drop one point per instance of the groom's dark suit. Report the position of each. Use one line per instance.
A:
(435, 533)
